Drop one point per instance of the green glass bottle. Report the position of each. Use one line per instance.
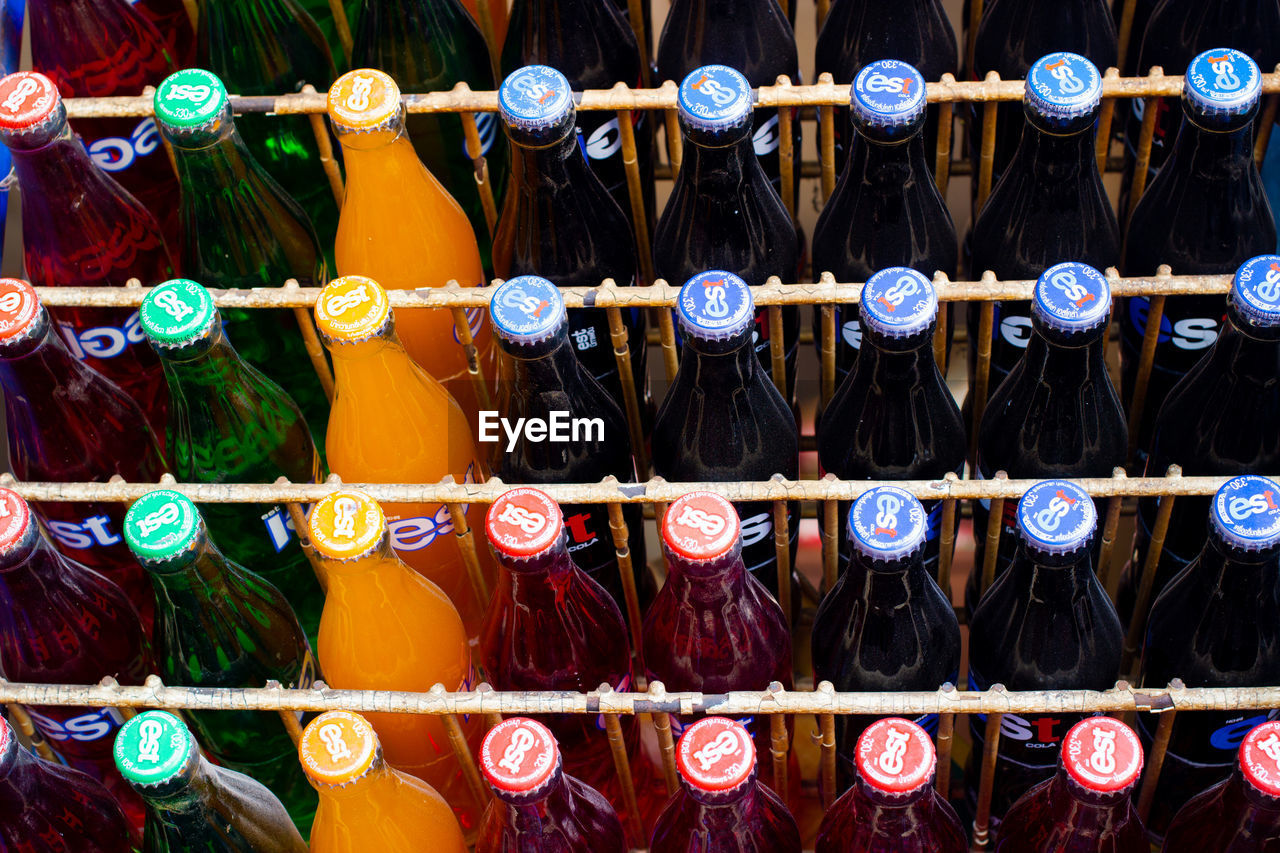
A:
(239, 230)
(230, 424)
(273, 47)
(431, 46)
(220, 625)
(194, 806)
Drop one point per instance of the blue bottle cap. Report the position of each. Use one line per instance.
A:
(1063, 86)
(535, 97)
(898, 302)
(887, 93)
(1255, 291)
(1072, 297)
(527, 309)
(1246, 513)
(1056, 517)
(1222, 82)
(887, 523)
(715, 305)
(715, 98)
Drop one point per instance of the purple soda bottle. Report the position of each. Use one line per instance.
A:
(721, 807)
(539, 807)
(174, 23)
(893, 804)
(1240, 814)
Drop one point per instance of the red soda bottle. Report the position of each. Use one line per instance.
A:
(1087, 807)
(721, 807)
(88, 431)
(539, 807)
(53, 809)
(81, 228)
(1240, 814)
(892, 804)
(174, 23)
(61, 623)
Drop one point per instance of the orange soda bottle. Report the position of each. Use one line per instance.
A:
(365, 804)
(392, 423)
(385, 627)
(402, 228)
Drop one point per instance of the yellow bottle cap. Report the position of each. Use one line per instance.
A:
(363, 99)
(337, 747)
(345, 525)
(352, 308)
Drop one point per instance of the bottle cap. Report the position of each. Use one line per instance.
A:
(161, 525)
(887, 93)
(1056, 517)
(535, 97)
(1255, 291)
(1072, 297)
(337, 747)
(895, 756)
(1102, 754)
(1222, 82)
(1260, 758)
(715, 754)
(523, 523)
(701, 526)
(8, 742)
(345, 525)
(176, 313)
(152, 747)
(352, 309)
(527, 309)
(1063, 86)
(364, 99)
(15, 521)
(190, 99)
(19, 309)
(715, 305)
(887, 523)
(518, 755)
(715, 98)
(898, 302)
(1246, 513)
(27, 100)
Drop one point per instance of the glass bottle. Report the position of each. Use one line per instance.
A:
(173, 21)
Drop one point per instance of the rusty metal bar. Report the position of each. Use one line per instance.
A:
(827, 140)
(828, 355)
(675, 142)
(986, 779)
(830, 539)
(1109, 529)
(467, 547)
(475, 151)
(995, 523)
(1105, 115)
(635, 192)
(942, 161)
(1146, 360)
(1138, 621)
(342, 27)
(782, 547)
(626, 568)
(786, 153)
(462, 328)
(777, 350)
(630, 393)
(987, 152)
(779, 745)
(324, 145)
(462, 751)
(1155, 761)
(1143, 159)
(1126, 30)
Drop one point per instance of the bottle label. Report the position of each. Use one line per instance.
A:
(1191, 334)
(419, 533)
(65, 727)
(759, 545)
(102, 341)
(1208, 738)
(1030, 741)
(117, 153)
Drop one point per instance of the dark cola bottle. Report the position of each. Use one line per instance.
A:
(886, 210)
(1057, 414)
(1222, 418)
(1214, 626)
(857, 33)
(885, 625)
(723, 213)
(1049, 205)
(559, 221)
(893, 417)
(1206, 212)
(592, 44)
(1045, 624)
(547, 382)
(723, 420)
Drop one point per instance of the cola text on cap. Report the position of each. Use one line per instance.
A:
(1063, 86)
(895, 756)
(352, 308)
(1102, 754)
(337, 747)
(888, 93)
(1222, 81)
(526, 309)
(346, 524)
(700, 526)
(715, 754)
(523, 523)
(1246, 513)
(518, 755)
(1072, 297)
(1255, 291)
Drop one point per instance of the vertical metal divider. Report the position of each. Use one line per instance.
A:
(675, 142)
(1105, 115)
(467, 546)
(986, 780)
(491, 718)
(786, 152)
(635, 190)
(618, 334)
(462, 751)
(342, 25)
(827, 747)
(289, 718)
(942, 156)
(777, 344)
(830, 539)
(827, 313)
(827, 140)
(1106, 557)
(626, 569)
(22, 721)
(484, 17)
(622, 764)
(1156, 755)
(995, 524)
(987, 153)
(824, 8)
(475, 151)
(666, 741)
(1143, 159)
(667, 332)
(940, 281)
(782, 547)
(1264, 125)
(1150, 337)
(311, 342)
(779, 743)
(946, 552)
(1131, 659)
(982, 378)
(462, 329)
(635, 11)
(1126, 30)
(299, 519)
(324, 144)
(975, 18)
(943, 746)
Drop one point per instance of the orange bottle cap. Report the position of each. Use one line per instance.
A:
(523, 523)
(19, 308)
(337, 747)
(518, 755)
(363, 99)
(346, 524)
(352, 308)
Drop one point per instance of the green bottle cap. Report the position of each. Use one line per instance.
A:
(152, 747)
(177, 312)
(189, 99)
(161, 525)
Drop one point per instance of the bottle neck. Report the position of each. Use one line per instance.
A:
(1236, 575)
(545, 366)
(538, 582)
(902, 362)
(708, 580)
(1046, 579)
(718, 168)
(379, 569)
(552, 167)
(1072, 358)
(1238, 353)
(196, 576)
(1213, 154)
(212, 158)
(874, 153)
(209, 362)
(188, 790)
(723, 807)
(379, 782)
(887, 585)
(1087, 807)
(1055, 156)
(730, 363)
(32, 367)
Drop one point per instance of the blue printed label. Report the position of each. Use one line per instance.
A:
(715, 95)
(1057, 515)
(103, 341)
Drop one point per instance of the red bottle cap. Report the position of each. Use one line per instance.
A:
(1102, 754)
(715, 754)
(1260, 758)
(701, 526)
(26, 99)
(523, 523)
(518, 755)
(895, 756)
(19, 308)
(15, 518)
